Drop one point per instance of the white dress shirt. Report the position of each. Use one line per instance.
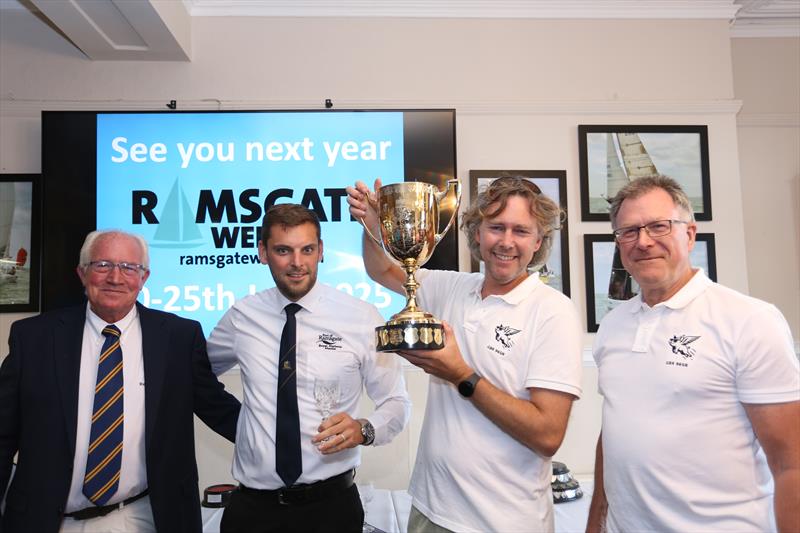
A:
(133, 474)
(335, 339)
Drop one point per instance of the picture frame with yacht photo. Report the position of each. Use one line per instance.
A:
(553, 184)
(608, 283)
(19, 242)
(613, 155)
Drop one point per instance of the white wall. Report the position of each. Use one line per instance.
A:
(520, 88)
(767, 80)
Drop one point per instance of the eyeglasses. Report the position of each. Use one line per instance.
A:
(104, 267)
(657, 228)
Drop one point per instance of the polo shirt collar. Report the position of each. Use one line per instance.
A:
(694, 288)
(637, 304)
(519, 293)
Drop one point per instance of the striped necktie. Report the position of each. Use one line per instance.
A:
(105, 443)
(288, 460)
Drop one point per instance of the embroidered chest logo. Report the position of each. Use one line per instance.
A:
(329, 341)
(681, 345)
(504, 335)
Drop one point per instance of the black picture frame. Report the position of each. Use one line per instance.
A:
(553, 184)
(598, 251)
(19, 242)
(680, 152)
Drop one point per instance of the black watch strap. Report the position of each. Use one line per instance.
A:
(466, 388)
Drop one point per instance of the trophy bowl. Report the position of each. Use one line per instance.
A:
(408, 214)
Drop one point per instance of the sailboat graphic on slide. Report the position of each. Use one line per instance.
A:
(177, 228)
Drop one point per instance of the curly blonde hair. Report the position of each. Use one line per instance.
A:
(493, 200)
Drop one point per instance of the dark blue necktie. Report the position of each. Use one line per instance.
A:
(104, 460)
(288, 461)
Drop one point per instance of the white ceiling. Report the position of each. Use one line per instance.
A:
(161, 29)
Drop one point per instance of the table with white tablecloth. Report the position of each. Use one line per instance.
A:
(387, 510)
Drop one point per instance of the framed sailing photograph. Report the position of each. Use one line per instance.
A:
(19, 243)
(553, 184)
(613, 156)
(608, 284)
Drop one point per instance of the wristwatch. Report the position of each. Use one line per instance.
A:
(367, 431)
(466, 388)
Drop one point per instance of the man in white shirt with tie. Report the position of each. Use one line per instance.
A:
(296, 470)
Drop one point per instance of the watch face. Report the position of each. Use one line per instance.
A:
(467, 387)
(368, 432)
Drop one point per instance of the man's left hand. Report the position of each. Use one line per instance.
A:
(447, 363)
(336, 433)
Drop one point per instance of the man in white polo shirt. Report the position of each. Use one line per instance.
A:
(501, 389)
(701, 388)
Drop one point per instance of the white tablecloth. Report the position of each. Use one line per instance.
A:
(571, 516)
(388, 510)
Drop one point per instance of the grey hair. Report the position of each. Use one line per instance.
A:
(93, 237)
(641, 186)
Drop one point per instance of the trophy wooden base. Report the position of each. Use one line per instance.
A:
(409, 336)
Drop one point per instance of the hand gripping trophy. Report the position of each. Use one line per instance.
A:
(409, 218)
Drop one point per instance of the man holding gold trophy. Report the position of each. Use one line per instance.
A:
(503, 383)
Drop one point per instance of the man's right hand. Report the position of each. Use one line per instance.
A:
(364, 206)
(364, 203)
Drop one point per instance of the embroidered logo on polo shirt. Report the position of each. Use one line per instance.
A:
(329, 341)
(503, 334)
(681, 345)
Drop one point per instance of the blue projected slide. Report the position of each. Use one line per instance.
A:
(195, 185)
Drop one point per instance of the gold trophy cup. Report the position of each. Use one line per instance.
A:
(409, 218)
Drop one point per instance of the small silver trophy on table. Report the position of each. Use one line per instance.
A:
(565, 487)
(409, 219)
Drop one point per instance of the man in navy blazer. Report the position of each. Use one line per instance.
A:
(47, 406)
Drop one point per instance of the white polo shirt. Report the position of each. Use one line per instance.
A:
(679, 453)
(335, 339)
(469, 474)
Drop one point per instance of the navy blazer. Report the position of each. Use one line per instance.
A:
(39, 412)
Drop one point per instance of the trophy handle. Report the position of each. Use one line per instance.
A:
(379, 243)
(454, 184)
